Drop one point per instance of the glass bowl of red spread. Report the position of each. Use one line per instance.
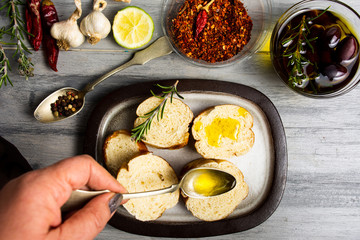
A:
(216, 33)
(315, 48)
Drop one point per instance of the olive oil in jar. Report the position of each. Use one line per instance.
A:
(316, 52)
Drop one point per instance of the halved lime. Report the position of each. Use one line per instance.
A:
(132, 27)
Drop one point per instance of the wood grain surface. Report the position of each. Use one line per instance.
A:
(322, 196)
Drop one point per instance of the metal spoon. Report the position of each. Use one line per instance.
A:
(43, 113)
(218, 182)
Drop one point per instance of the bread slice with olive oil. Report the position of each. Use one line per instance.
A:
(119, 148)
(144, 173)
(172, 130)
(217, 207)
(223, 131)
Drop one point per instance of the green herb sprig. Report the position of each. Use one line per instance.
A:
(4, 68)
(294, 52)
(168, 92)
(16, 31)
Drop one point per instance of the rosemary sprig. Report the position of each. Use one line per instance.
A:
(294, 52)
(4, 68)
(16, 31)
(168, 92)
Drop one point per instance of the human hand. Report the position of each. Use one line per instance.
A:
(30, 204)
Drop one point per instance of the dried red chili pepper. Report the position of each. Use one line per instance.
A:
(33, 22)
(48, 14)
(51, 50)
(49, 17)
(201, 21)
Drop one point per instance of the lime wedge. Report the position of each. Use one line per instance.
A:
(132, 27)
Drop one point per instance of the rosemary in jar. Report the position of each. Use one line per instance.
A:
(315, 52)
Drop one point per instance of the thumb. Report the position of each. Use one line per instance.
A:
(87, 222)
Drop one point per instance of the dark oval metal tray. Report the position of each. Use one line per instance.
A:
(109, 116)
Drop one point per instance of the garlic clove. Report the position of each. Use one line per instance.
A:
(67, 34)
(95, 26)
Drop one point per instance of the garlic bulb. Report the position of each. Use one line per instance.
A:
(95, 25)
(67, 33)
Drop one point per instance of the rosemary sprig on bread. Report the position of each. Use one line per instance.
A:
(138, 132)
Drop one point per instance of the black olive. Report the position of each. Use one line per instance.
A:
(347, 49)
(334, 71)
(332, 36)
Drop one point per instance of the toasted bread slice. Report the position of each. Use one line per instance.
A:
(223, 131)
(221, 206)
(144, 173)
(172, 130)
(119, 148)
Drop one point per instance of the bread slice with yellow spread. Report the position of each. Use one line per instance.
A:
(144, 173)
(217, 207)
(223, 131)
(119, 148)
(172, 130)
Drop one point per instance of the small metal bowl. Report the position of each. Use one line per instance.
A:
(258, 10)
(352, 21)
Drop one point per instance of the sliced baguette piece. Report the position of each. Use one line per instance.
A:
(217, 207)
(223, 131)
(171, 131)
(144, 173)
(119, 148)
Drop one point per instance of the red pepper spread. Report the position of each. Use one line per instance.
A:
(215, 34)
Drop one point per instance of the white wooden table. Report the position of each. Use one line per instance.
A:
(322, 196)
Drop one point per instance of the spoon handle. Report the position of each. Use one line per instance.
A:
(79, 198)
(90, 86)
(170, 189)
(160, 47)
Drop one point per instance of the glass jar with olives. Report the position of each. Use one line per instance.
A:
(315, 48)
